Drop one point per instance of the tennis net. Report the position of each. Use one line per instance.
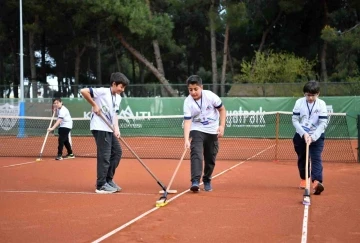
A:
(252, 136)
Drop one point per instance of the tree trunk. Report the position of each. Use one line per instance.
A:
(2, 75)
(267, 31)
(157, 53)
(77, 68)
(60, 77)
(225, 55)
(16, 79)
(116, 56)
(324, 75)
(43, 64)
(133, 68)
(159, 64)
(32, 64)
(213, 48)
(143, 60)
(230, 62)
(98, 55)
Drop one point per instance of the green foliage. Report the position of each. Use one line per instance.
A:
(290, 6)
(275, 68)
(347, 44)
(236, 15)
(135, 15)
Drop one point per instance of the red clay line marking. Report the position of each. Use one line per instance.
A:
(104, 237)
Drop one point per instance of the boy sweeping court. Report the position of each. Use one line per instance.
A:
(106, 102)
(310, 120)
(66, 123)
(203, 110)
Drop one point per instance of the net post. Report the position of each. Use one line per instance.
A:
(358, 137)
(21, 129)
(277, 122)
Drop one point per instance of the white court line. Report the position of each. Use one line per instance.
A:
(87, 193)
(25, 163)
(305, 224)
(171, 199)
(32, 162)
(306, 217)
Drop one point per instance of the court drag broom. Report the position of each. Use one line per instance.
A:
(306, 198)
(162, 202)
(163, 197)
(47, 134)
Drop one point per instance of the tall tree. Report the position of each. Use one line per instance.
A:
(132, 18)
(212, 26)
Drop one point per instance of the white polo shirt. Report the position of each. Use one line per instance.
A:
(109, 105)
(203, 112)
(310, 118)
(64, 115)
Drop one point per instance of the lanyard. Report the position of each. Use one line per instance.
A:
(112, 98)
(200, 103)
(109, 116)
(311, 107)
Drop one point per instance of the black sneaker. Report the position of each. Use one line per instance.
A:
(194, 186)
(318, 188)
(207, 186)
(69, 156)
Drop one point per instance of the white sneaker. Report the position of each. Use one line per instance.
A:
(106, 189)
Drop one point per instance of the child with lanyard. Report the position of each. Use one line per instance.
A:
(203, 110)
(106, 101)
(66, 123)
(310, 120)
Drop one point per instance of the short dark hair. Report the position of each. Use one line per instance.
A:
(56, 99)
(194, 79)
(312, 87)
(119, 78)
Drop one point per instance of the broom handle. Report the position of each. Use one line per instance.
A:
(47, 134)
(176, 170)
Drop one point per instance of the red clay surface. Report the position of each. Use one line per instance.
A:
(170, 148)
(54, 201)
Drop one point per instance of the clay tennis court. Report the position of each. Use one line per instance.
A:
(252, 201)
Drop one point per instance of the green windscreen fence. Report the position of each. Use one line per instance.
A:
(248, 136)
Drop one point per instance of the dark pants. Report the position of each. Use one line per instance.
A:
(203, 145)
(315, 151)
(108, 156)
(64, 140)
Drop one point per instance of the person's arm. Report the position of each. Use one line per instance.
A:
(57, 123)
(116, 126)
(221, 129)
(86, 93)
(296, 122)
(187, 123)
(296, 119)
(187, 126)
(323, 122)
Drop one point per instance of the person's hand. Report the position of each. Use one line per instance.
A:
(220, 131)
(50, 129)
(187, 144)
(117, 133)
(96, 110)
(307, 138)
